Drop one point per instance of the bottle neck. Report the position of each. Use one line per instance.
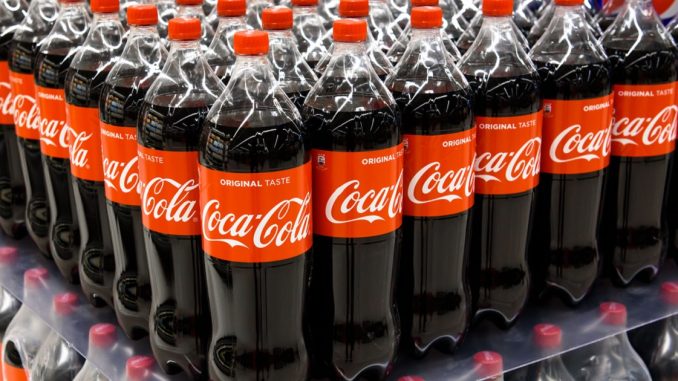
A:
(101, 18)
(252, 66)
(185, 49)
(425, 34)
(143, 31)
(283, 34)
(226, 22)
(642, 4)
(501, 22)
(353, 48)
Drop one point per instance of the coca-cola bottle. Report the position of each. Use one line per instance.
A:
(471, 34)
(12, 190)
(576, 87)
(84, 80)
(385, 29)
(609, 12)
(672, 28)
(220, 54)
(255, 197)
(439, 137)
(548, 339)
(169, 125)
(56, 51)
(167, 10)
(309, 31)
(9, 305)
(539, 27)
(328, 10)
(634, 232)
(357, 156)
(293, 74)
(193, 9)
(254, 9)
(119, 104)
(468, 8)
(523, 16)
(35, 26)
(509, 117)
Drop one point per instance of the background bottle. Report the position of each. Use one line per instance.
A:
(193, 8)
(220, 54)
(507, 106)
(9, 306)
(56, 51)
(548, 339)
(435, 101)
(309, 31)
(102, 345)
(139, 368)
(256, 266)
(170, 121)
(488, 365)
(121, 97)
(35, 26)
(357, 153)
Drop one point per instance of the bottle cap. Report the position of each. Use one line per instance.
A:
(250, 43)
(35, 277)
(569, 2)
(231, 8)
(7, 254)
(65, 303)
(189, 2)
(547, 336)
(142, 14)
(354, 8)
(184, 29)
(613, 313)
(497, 8)
(670, 292)
(426, 17)
(304, 3)
(488, 363)
(104, 6)
(424, 3)
(350, 30)
(70, 1)
(102, 335)
(411, 378)
(139, 368)
(276, 18)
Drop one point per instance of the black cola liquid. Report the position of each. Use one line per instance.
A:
(434, 297)
(50, 71)
(97, 263)
(131, 284)
(566, 258)
(502, 224)
(179, 326)
(257, 308)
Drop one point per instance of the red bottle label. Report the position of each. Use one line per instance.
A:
(6, 99)
(357, 194)
(85, 143)
(576, 135)
(26, 113)
(439, 176)
(508, 153)
(120, 164)
(644, 120)
(170, 195)
(54, 130)
(256, 217)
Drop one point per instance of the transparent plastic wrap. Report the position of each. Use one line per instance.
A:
(383, 25)
(309, 31)
(255, 132)
(434, 298)
(121, 97)
(193, 9)
(220, 54)
(471, 35)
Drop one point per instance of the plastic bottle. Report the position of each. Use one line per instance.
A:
(471, 35)
(35, 26)
(454, 22)
(609, 12)
(357, 153)
(139, 368)
(170, 121)
(576, 86)
(254, 9)
(193, 9)
(103, 343)
(220, 54)
(309, 31)
(548, 339)
(523, 16)
(539, 27)
(9, 306)
(293, 74)
(435, 101)
(167, 10)
(84, 80)
(27, 331)
(57, 360)
(254, 139)
(634, 233)
(488, 366)
(121, 98)
(12, 189)
(383, 26)
(56, 51)
(507, 107)
(468, 8)
(612, 358)
(328, 11)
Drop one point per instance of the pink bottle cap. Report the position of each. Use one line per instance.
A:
(411, 378)
(102, 335)
(139, 368)
(670, 292)
(613, 313)
(35, 277)
(488, 363)
(547, 336)
(64, 304)
(7, 254)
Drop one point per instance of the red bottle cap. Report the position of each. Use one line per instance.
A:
(613, 313)
(354, 8)
(276, 18)
(139, 368)
(231, 8)
(488, 363)
(411, 378)
(426, 17)
(184, 29)
(497, 8)
(7, 254)
(102, 335)
(189, 2)
(70, 1)
(670, 292)
(250, 43)
(569, 2)
(350, 30)
(304, 3)
(142, 14)
(104, 6)
(65, 303)
(424, 3)
(35, 277)
(547, 336)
